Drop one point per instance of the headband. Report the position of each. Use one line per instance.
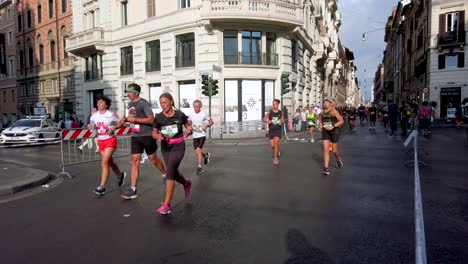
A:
(130, 89)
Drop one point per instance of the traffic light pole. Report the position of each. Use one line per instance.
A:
(210, 86)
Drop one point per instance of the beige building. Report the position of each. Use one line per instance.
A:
(166, 45)
(8, 97)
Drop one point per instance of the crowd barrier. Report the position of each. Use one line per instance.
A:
(79, 146)
(243, 129)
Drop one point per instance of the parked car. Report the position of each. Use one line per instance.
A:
(30, 130)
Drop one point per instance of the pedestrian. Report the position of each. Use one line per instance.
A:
(275, 119)
(425, 114)
(311, 124)
(105, 123)
(318, 112)
(361, 114)
(393, 117)
(168, 128)
(304, 118)
(458, 116)
(74, 123)
(296, 120)
(200, 121)
(330, 127)
(405, 115)
(372, 116)
(140, 118)
(384, 114)
(352, 119)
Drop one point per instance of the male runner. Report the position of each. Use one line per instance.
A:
(201, 121)
(372, 116)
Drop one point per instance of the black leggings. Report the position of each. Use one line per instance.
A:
(172, 160)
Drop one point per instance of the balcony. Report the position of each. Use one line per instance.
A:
(4, 3)
(451, 38)
(86, 42)
(181, 61)
(275, 12)
(92, 75)
(152, 66)
(251, 58)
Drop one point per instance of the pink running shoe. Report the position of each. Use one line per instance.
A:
(188, 188)
(164, 209)
(276, 161)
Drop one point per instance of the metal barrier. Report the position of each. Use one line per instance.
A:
(244, 129)
(74, 150)
(420, 251)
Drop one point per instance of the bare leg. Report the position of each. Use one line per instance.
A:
(157, 162)
(199, 153)
(135, 169)
(106, 161)
(326, 153)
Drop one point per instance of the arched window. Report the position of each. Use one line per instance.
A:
(64, 33)
(41, 49)
(52, 46)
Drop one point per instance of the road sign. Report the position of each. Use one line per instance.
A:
(217, 69)
(425, 90)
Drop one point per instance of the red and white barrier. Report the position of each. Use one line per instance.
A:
(74, 134)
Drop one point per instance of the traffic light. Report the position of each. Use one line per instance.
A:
(214, 87)
(205, 85)
(284, 83)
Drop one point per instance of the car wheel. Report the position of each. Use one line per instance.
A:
(41, 136)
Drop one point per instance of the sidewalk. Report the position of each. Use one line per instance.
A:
(15, 177)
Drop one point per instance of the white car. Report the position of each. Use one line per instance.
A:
(30, 130)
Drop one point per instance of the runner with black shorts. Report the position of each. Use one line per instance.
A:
(330, 127)
(384, 113)
(168, 128)
(275, 119)
(140, 118)
(372, 117)
(352, 118)
(201, 121)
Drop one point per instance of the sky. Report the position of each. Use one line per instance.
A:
(359, 16)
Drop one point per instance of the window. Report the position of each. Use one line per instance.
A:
(452, 22)
(13, 96)
(67, 83)
(39, 14)
(31, 57)
(42, 87)
(10, 38)
(271, 56)
(64, 6)
(41, 54)
(54, 85)
(153, 56)
(20, 23)
(230, 47)
(452, 60)
(92, 69)
(29, 17)
(151, 8)
(11, 65)
(21, 59)
(4, 96)
(185, 46)
(52, 51)
(8, 13)
(51, 8)
(184, 3)
(64, 45)
(126, 60)
(124, 13)
(32, 87)
(251, 47)
(294, 54)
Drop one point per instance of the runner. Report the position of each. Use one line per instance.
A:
(201, 121)
(372, 116)
(384, 113)
(167, 128)
(106, 122)
(140, 118)
(361, 114)
(311, 123)
(275, 120)
(330, 127)
(352, 119)
(425, 114)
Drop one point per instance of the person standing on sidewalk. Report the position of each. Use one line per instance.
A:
(330, 127)
(405, 115)
(105, 123)
(393, 117)
(140, 118)
(168, 128)
(200, 121)
(275, 119)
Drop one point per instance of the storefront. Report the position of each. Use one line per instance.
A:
(450, 98)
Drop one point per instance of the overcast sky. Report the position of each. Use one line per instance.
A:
(359, 16)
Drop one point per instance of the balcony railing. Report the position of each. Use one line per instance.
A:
(82, 41)
(182, 61)
(152, 66)
(283, 12)
(451, 38)
(92, 75)
(252, 58)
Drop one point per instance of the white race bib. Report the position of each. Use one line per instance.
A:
(135, 127)
(169, 131)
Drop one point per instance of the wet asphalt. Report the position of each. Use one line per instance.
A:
(245, 210)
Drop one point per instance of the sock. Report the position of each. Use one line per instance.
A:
(164, 175)
(133, 188)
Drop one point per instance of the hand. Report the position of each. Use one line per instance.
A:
(330, 128)
(111, 130)
(159, 137)
(204, 128)
(90, 127)
(320, 129)
(188, 133)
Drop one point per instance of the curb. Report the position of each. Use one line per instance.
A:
(30, 178)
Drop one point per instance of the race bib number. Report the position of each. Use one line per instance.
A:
(169, 131)
(372, 113)
(197, 128)
(275, 120)
(102, 131)
(135, 127)
(327, 124)
(311, 123)
(385, 115)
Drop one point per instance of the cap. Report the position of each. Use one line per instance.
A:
(329, 99)
(134, 89)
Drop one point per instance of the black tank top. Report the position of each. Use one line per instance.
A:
(329, 120)
(275, 119)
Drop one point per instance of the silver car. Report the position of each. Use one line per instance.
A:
(31, 130)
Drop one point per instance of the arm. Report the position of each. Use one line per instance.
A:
(282, 119)
(156, 135)
(340, 120)
(266, 118)
(145, 121)
(188, 128)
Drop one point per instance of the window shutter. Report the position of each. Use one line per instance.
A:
(461, 60)
(442, 22)
(441, 61)
(461, 27)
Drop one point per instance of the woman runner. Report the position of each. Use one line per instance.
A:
(311, 124)
(105, 123)
(275, 120)
(167, 128)
(330, 127)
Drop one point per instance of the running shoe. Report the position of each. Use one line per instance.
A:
(100, 190)
(275, 161)
(129, 194)
(312, 140)
(199, 170)
(164, 179)
(206, 158)
(121, 178)
(164, 209)
(325, 171)
(188, 188)
(339, 163)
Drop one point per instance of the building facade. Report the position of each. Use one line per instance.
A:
(45, 71)
(165, 46)
(8, 94)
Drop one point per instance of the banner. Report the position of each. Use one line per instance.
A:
(3, 60)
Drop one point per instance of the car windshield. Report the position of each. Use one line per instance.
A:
(27, 123)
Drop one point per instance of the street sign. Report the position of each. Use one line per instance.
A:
(425, 90)
(217, 69)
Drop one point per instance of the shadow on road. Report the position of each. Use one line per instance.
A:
(302, 252)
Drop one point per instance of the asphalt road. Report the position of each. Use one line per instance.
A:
(245, 210)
